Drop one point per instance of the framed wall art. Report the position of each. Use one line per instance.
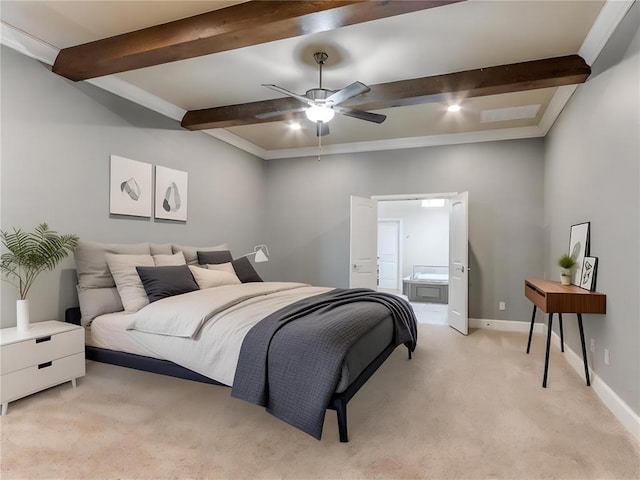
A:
(589, 271)
(578, 249)
(171, 194)
(129, 187)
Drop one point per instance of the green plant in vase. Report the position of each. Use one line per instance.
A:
(28, 255)
(566, 263)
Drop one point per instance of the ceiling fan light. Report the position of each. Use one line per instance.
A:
(316, 113)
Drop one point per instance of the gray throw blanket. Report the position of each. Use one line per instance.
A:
(293, 367)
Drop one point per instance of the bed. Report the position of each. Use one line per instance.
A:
(293, 348)
(427, 283)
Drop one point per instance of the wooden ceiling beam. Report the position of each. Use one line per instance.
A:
(516, 77)
(237, 26)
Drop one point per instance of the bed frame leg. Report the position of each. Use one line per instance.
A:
(409, 351)
(341, 412)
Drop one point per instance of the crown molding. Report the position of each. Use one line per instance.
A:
(117, 86)
(612, 13)
(236, 141)
(410, 142)
(27, 44)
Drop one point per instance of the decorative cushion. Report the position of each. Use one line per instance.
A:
(191, 253)
(166, 281)
(206, 278)
(166, 260)
(91, 263)
(123, 269)
(245, 271)
(223, 267)
(214, 257)
(98, 301)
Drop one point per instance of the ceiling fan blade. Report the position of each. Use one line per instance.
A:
(264, 116)
(322, 129)
(301, 98)
(359, 114)
(350, 91)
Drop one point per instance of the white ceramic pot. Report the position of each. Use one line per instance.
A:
(22, 316)
(565, 276)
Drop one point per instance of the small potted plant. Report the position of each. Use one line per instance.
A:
(566, 263)
(29, 254)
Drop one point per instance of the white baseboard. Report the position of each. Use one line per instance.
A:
(612, 401)
(506, 325)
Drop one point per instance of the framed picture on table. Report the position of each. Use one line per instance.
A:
(578, 249)
(589, 271)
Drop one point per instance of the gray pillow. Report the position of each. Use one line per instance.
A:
(98, 301)
(160, 248)
(214, 257)
(191, 253)
(161, 282)
(245, 271)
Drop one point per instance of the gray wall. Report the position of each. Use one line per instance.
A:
(308, 213)
(56, 140)
(592, 174)
(425, 232)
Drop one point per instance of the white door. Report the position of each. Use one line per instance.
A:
(363, 238)
(459, 262)
(389, 254)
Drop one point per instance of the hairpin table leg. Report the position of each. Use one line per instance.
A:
(561, 334)
(546, 358)
(584, 350)
(533, 317)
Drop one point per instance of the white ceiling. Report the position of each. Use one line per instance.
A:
(452, 38)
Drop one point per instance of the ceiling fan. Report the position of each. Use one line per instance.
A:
(323, 103)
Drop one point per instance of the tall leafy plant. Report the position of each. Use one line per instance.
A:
(31, 253)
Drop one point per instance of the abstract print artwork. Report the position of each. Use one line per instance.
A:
(130, 187)
(171, 194)
(589, 270)
(578, 249)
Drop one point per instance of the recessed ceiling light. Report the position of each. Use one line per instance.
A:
(295, 126)
(454, 108)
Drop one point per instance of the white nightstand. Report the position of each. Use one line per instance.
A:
(49, 354)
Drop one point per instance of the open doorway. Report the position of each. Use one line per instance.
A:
(413, 253)
(364, 269)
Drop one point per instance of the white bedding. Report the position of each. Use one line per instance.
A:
(110, 331)
(203, 330)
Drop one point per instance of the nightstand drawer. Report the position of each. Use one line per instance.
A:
(30, 380)
(35, 351)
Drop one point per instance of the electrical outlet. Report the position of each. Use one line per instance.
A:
(606, 356)
(592, 346)
(502, 306)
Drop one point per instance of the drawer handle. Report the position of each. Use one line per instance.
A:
(43, 339)
(45, 365)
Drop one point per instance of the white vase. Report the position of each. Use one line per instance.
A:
(565, 276)
(22, 316)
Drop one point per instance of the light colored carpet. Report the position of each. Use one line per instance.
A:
(463, 408)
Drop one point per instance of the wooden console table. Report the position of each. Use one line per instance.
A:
(552, 297)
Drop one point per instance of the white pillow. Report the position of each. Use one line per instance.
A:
(222, 267)
(166, 260)
(130, 288)
(206, 278)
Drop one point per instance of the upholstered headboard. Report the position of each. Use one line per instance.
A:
(97, 292)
